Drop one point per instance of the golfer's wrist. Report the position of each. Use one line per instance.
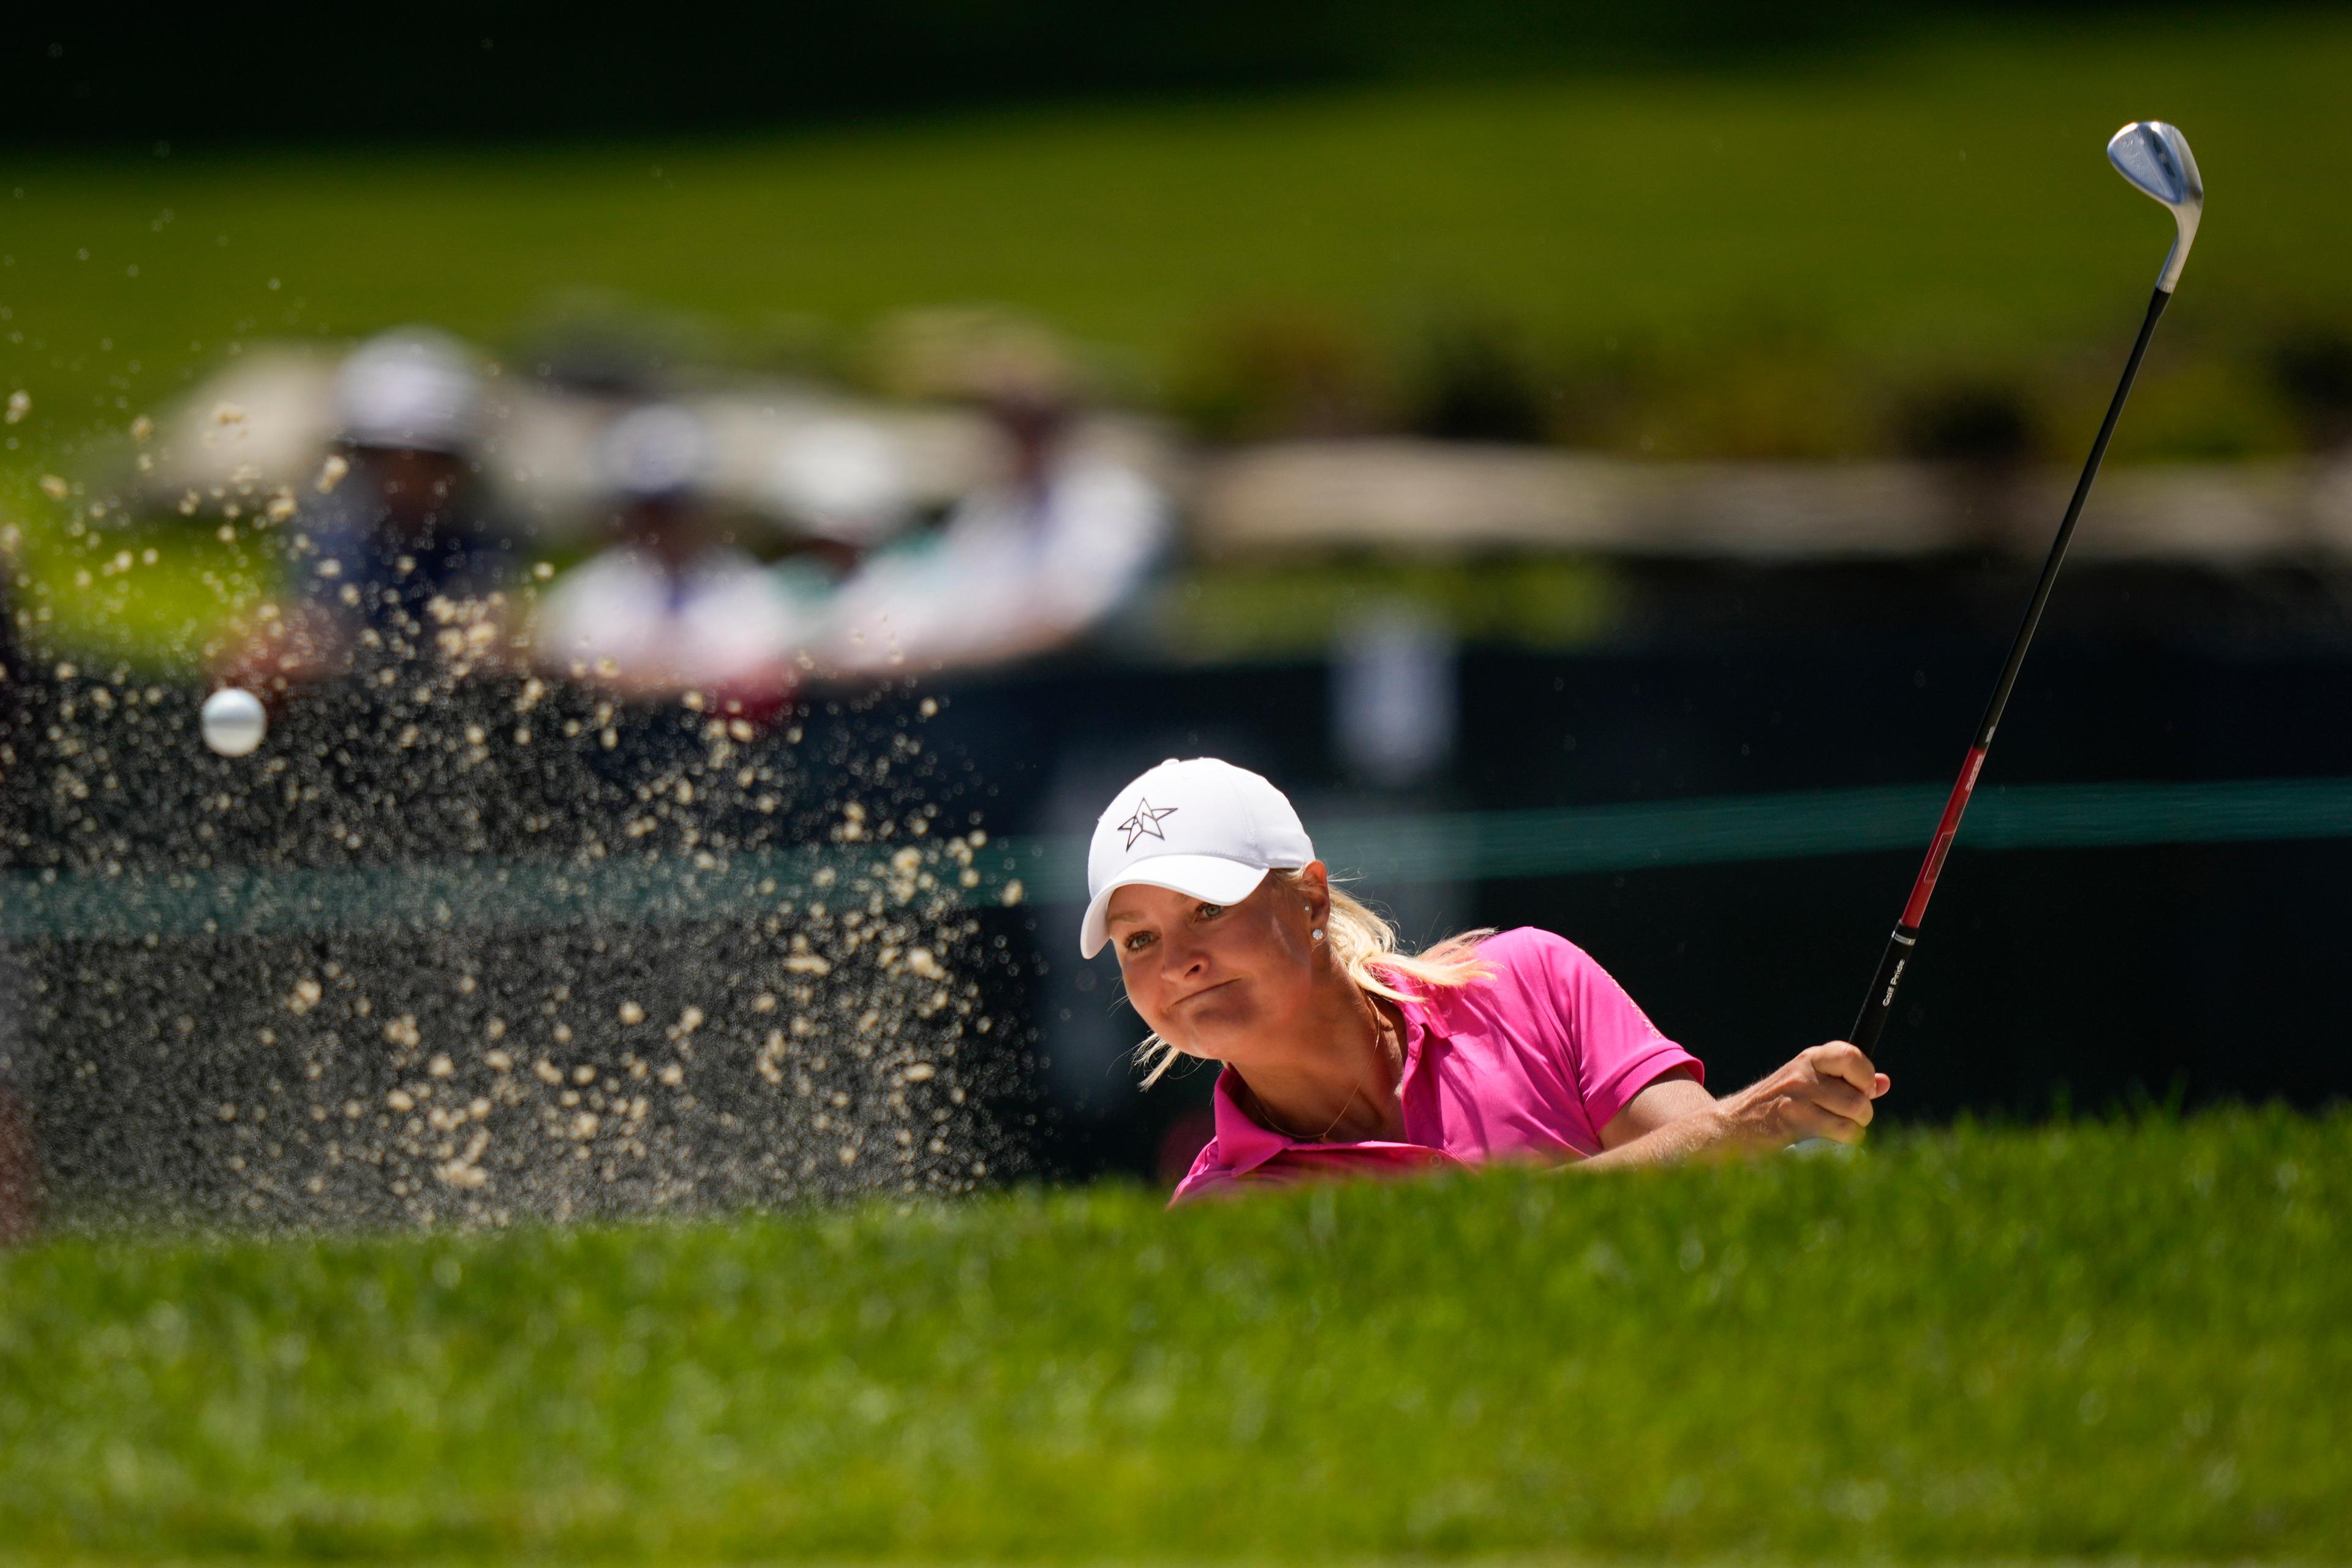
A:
(1745, 1122)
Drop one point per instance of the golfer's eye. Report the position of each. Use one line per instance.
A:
(1135, 942)
(1209, 911)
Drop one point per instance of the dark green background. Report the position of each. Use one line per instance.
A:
(438, 71)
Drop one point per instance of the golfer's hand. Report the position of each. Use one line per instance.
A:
(1826, 1093)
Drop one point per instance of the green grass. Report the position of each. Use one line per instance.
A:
(2111, 1339)
(1782, 240)
(98, 596)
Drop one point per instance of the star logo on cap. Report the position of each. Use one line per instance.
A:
(1145, 823)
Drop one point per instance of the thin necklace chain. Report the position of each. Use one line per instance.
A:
(1380, 1022)
(1301, 1137)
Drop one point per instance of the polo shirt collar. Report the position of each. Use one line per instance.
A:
(1244, 1144)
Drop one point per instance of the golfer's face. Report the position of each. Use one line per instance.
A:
(1208, 977)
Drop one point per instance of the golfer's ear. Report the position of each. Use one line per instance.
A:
(1314, 889)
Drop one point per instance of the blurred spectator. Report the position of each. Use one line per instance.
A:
(1017, 568)
(677, 606)
(838, 486)
(395, 558)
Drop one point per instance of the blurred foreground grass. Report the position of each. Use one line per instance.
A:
(2112, 1339)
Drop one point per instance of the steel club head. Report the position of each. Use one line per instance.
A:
(2155, 157)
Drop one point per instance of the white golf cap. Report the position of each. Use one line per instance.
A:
(662, 451)
(1205, 828)
(412, 387)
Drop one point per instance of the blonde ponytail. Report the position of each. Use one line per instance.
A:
(1363, 943)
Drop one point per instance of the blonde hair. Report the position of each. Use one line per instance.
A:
(1363, 943)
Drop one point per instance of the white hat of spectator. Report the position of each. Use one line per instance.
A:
(841, 479)
(659, 452)
(412, 388)
(1204, 827)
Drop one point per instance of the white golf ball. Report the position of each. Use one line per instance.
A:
(234, 722)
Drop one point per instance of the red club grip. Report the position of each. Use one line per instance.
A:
(1924, 889)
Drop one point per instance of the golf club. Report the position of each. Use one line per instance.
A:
(2154, 157)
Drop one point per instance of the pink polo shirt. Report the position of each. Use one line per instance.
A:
(1530, 1063)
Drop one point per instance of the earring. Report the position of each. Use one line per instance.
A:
(1318, 933)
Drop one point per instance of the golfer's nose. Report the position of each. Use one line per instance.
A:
(1186, 956)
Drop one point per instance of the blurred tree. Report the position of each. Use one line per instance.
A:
(1276, 372)
(1968, 421)
(2314, 370)
(1472, 381)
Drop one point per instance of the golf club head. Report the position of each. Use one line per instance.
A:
(2155, 157)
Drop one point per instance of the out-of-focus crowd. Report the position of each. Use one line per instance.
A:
(741, 542)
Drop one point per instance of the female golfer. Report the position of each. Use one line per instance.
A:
(1343, 1056)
